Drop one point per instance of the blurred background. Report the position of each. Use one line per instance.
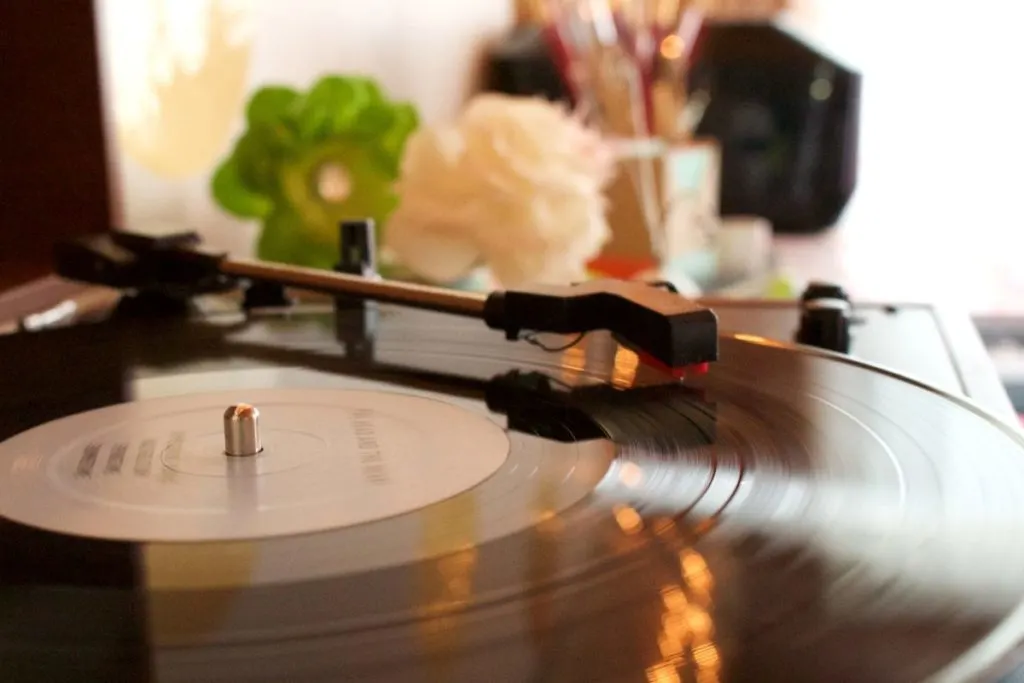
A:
(914, 198)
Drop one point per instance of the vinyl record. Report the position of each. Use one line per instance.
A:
(434, 503)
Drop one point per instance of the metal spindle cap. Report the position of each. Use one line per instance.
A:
(242, 430)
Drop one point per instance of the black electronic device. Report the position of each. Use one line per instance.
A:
(787, 116)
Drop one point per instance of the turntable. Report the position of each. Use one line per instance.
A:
(622, 491)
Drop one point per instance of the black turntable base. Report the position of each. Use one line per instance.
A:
(387, 495)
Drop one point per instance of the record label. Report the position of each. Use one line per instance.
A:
(156, 470)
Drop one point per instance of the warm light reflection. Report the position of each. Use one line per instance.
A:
(674, 598)
(573, 363)
(663, 673)
(624, 371)
(628, 519)
(699, 623)
(763, 341)
(706, 656)
(695, 572)
(687, 628)
(630, 474)
(446, 583)
(664, 526)
(549, 522)
(542, 558)
(453, 590)
(190, 588)
(671, 646)
(672, 47)
(753, 338)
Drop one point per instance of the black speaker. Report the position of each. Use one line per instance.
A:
(787, 117)
(521, 64)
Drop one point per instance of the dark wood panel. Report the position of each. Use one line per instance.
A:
(53, 170)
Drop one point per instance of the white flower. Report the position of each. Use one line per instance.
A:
(516, 184)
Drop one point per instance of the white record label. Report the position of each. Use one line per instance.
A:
(156, 470)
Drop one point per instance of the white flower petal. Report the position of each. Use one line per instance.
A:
(428, 253)
(516, 181)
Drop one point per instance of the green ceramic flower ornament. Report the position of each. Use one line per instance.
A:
(307, 161)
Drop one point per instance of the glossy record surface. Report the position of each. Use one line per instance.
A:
(790, 516)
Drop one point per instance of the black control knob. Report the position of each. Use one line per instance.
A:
(825, 317)
(823, 290)
(266, 295)
(358, 244)
(356, 319)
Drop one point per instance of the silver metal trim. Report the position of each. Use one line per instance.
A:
(242, 431)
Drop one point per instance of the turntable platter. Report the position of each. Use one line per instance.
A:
(792, 515)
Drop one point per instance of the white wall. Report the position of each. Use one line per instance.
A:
(939, 210)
